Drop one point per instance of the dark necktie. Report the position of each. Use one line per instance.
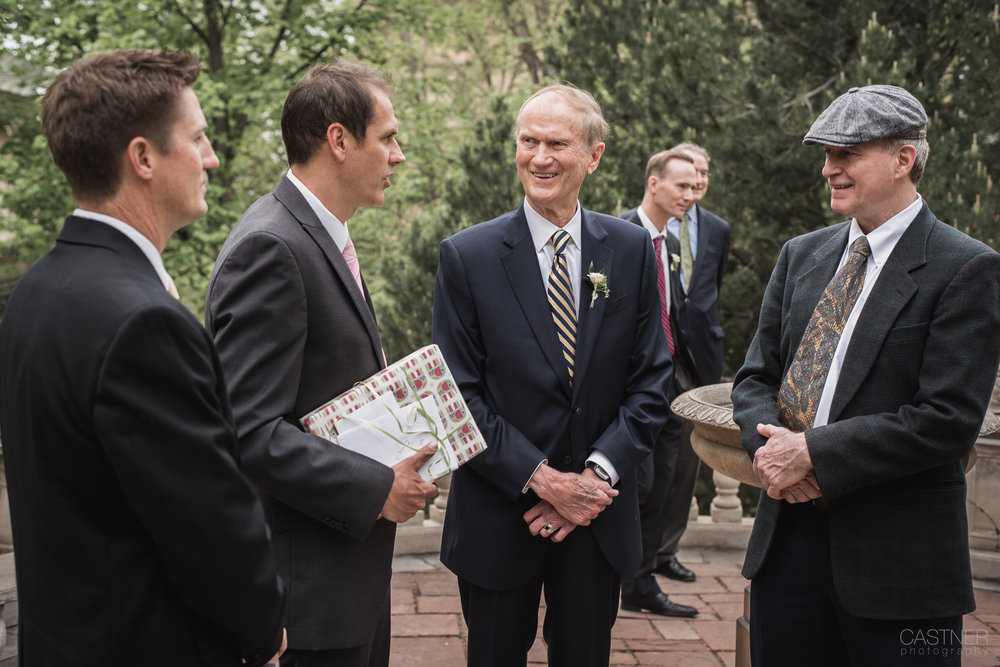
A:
(661, 284)
(802, 386)
(560, 293)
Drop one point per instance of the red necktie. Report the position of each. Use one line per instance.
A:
(661, 284)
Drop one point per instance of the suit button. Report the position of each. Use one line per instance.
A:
(687, 300)
(576, 409)
(567, 460)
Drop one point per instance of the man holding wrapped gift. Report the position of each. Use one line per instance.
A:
(549, 320)
(294, 324)
(860, 399)
(138, 541)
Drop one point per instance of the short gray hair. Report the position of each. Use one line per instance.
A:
(594, 127)
(923, 150)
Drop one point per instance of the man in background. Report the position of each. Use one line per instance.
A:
(294, 323)
(138, 541)
(703, 238)
(671, 180)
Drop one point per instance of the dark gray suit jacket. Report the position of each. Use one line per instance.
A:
(138, 541)
(293, 331)
(910, 400)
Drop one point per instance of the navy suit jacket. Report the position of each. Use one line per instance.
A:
(699, 333)
(494, 326)
(138, 541)
(909, 403)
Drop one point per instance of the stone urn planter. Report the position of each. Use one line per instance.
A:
(716, 437)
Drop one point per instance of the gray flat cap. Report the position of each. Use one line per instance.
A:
(868, 114)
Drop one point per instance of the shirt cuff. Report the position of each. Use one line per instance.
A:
(598, 457)
(544, 462)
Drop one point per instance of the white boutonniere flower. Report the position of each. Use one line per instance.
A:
(599, 281)
(675, 261)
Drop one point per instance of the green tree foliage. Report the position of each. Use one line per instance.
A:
(746, 79)
(251, 53)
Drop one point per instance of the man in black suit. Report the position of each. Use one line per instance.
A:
(700, 339)
(294, 323)
(549, 321)
(138, 541)
(670, 182)
(861, 397)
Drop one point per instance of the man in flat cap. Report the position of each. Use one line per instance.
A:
(861, 397)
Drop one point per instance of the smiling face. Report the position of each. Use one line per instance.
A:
(552, 160)
(867, 182)
(371, 162)
(701, 167)
(673, 193)
(182, 175)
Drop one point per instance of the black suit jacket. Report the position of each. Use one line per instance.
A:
(693, 313)
(494, 326)
(698, 314)
(138, 541)
(908, 406)
(293, 331)
(683, 357)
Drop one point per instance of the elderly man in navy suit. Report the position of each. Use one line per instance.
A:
(861, 397)
(549, 320)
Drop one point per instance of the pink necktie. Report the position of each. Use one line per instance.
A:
(351, 257)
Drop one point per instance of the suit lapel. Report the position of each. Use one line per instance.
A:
(589, 319)
(892, 291)
(810, 285)
(292, 199)
(520, 262)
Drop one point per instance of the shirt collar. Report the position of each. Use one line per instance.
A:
(542, 230)
(134, 235)
(883, 238)
(648, 224)
(334, 227)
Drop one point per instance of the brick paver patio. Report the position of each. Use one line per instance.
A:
(428, 629)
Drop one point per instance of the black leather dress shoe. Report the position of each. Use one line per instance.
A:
(659, 604)
(672, 569)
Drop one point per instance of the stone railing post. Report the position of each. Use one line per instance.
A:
(726, 505)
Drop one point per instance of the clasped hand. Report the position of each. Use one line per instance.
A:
(567, 500)
(784, 465)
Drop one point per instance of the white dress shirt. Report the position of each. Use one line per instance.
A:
(144, 244)
(334, 227)
(882, 241)
(664, 253)
(541, 235)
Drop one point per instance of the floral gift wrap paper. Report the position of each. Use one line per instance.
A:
(399, 410)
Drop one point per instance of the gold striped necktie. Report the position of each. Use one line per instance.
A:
(802, 387)
(560, 293)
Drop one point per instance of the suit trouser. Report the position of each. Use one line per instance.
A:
(796, 618)
(655, 475)
(680, 493)
(375, 654)
(581, 597)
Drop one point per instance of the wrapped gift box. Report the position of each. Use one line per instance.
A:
(394, 413)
